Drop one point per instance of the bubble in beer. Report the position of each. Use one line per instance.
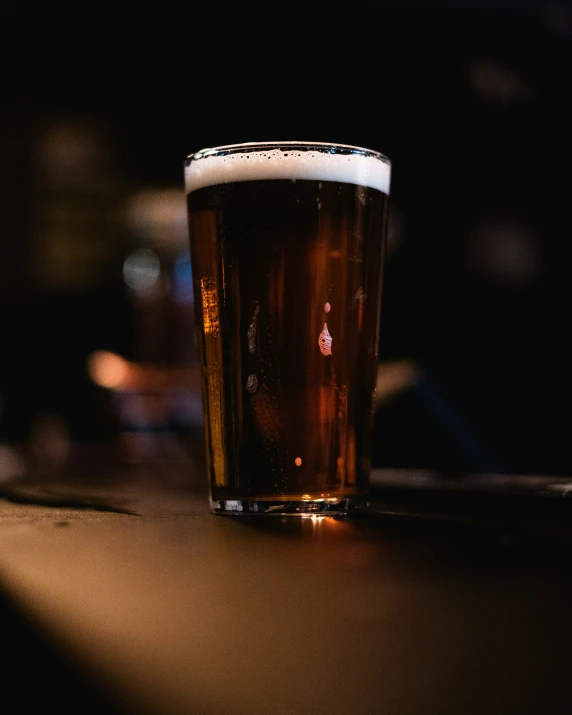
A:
(298, 461)
(325, 341)
(360, 295)
(327, 307)
(252, 383)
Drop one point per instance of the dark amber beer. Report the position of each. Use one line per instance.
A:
(287, 243)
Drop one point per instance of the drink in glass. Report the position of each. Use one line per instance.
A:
(287, 244)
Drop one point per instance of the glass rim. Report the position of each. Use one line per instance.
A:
(325, 147)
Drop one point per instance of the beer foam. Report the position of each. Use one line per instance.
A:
(293, 160)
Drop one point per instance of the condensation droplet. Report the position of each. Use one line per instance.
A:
(252, 330)
(298, 461)
(252, 383)
(325, 341)
(327, 307)
(360, 295)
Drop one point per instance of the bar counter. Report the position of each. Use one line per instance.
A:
(128, 597)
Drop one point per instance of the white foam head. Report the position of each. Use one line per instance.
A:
(288, 160)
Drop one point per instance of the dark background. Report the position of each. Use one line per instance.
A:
(470, 102)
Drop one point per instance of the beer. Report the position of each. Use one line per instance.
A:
(287, 246)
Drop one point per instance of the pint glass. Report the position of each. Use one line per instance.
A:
(287, 245)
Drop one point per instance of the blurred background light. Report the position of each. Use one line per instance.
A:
(506, 252)
(96, 305)
(141, 270)
(108, 370)
(183, 279)
(159, 217)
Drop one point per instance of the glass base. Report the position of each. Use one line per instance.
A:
(269, 507)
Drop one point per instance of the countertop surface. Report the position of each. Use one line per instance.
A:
(441, 600)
